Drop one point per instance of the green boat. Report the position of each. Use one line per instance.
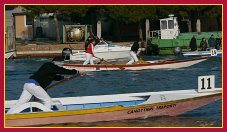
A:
(164, 41)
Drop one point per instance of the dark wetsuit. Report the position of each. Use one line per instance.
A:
(49, 72)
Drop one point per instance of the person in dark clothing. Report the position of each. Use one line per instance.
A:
(87, 42)
(97, 40)
(37, 83)
(133, 52)
(90, 38)
(212, 42)
(203, 44)
(218, 43)
(193, 44)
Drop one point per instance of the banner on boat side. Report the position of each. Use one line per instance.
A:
(206, 83)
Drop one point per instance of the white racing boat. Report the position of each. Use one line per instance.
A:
(160, 64)
(104, 50)
(110, 107)
(212, 52)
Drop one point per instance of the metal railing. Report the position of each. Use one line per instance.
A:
(155, 34)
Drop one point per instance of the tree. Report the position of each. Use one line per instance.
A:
(124, 13)
(193, 12)
(132, 14)
(216, 12)
(10, 7)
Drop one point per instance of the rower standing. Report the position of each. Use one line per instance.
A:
(133, 52)
(36, 84)
(90, 53)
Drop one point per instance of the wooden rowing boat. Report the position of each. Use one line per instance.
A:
(167, 64)
(110, 107)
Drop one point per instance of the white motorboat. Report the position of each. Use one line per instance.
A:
(104, 50)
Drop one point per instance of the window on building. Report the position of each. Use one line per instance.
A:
(163, 24)
(28, 20)
(170, 24)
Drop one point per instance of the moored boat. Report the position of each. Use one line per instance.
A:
(165, 64)
(110, 107)
(9, 53)
(169, 36)
(104, 50)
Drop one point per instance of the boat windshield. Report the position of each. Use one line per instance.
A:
(110, 45)
(101, 43)
(105, 43)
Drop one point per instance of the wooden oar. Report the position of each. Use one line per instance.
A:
(60, 82)
(161, 61)
(101, 59)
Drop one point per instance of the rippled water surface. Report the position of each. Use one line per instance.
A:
(118, 82)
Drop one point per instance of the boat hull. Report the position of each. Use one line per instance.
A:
(147, 65)
(108, 55)
(202, 53)
(171, 108)
(106, 51)
(10, 53)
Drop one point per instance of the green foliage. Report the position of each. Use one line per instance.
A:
(131, 13)
(200, 10)
(125, 13)
(213, 11)
(67, 10)
(10, 7)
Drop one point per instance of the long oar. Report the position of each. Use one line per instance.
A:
(60, 82)
(161, 61)
(101, 59)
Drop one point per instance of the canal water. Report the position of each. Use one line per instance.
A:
(119, 82)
